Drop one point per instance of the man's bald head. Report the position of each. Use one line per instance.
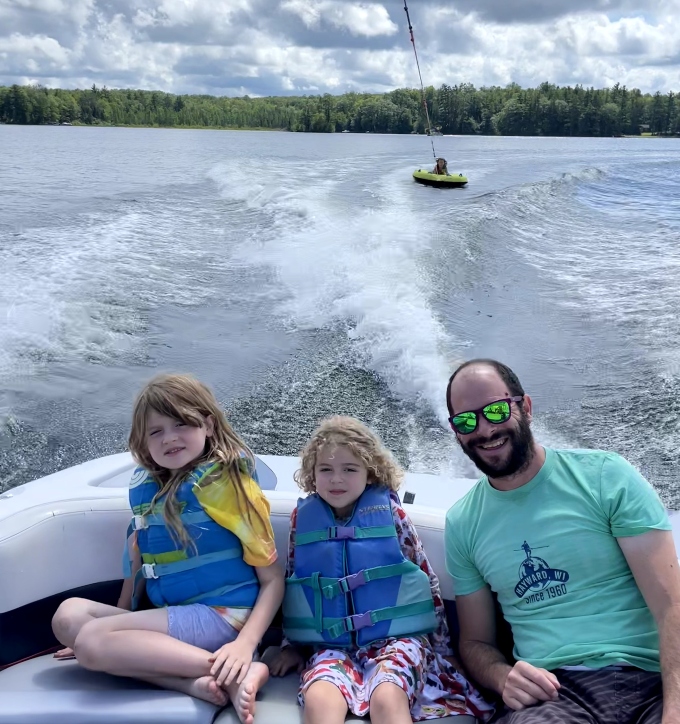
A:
(483, 368)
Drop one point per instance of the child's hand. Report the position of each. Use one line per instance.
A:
(231, 662)
(64, 654)
(286, 660)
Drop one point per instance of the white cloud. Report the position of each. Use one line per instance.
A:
(367, 19)
(76, 10)
(307, 10)
(168, 13)
(37, 50)
(267, 47)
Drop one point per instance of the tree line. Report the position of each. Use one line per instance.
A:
(548, 110)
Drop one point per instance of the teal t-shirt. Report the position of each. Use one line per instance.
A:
(549, 551)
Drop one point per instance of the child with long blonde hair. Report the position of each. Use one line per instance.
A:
(203, 546)
(361, 596)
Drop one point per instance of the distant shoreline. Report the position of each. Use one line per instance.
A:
(319, 133)
(462, 110)
(77, 124)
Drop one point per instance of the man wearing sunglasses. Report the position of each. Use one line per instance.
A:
(577, 547)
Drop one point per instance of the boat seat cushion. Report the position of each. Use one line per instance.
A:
(44, 690)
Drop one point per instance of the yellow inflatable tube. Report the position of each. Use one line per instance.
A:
(454, 180)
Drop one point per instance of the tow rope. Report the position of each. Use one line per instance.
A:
(422, 87)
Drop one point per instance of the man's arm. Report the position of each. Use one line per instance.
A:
(521, 685)
(477, 621)
(654, 563)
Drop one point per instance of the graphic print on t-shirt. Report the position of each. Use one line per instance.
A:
(537, 580)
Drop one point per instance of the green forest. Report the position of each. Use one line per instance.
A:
(548, 110)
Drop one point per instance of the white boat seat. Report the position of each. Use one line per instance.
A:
(65, 532)
(47, 691)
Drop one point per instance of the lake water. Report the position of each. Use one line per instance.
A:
(304, 275)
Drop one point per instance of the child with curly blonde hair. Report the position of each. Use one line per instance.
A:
(361, 596)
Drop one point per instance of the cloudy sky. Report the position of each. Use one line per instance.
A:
(276, 47)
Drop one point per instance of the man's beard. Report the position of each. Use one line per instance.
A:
(521, 442)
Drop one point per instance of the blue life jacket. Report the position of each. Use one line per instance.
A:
(211, 572)
(352, 584)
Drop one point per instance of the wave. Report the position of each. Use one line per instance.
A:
(601, 245)
(82, 289)
(355, 268)
(375, 271)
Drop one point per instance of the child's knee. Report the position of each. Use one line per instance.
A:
(69, 615)
(314, 694)
(388, 698)
(88, 646)
(322, 694)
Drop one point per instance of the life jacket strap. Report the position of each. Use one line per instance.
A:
(216, 593)
(354, 581)
(332, 587)
(339, 532)
(222, 591)
(142, 522)
(336, 627)
(156, 570)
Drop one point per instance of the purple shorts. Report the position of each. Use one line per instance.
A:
(200, 625)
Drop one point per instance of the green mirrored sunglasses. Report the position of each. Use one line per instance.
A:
(495, 412)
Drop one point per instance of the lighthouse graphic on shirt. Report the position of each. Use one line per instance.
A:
(537, 580)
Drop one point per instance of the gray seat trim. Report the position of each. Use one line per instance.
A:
(103, 707)
(46, 691)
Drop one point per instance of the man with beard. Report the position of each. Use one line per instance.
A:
(577, 547)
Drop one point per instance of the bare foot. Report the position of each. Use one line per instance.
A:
(243, 694)
(206, 688)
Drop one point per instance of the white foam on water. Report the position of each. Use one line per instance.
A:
(51, 288)
(79, 291)
(357, 268)
(625, 272)
(609, 258)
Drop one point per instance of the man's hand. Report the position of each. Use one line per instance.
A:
(527, 685)
(286, 660)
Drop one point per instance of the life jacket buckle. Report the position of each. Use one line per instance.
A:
(349, 583)
(149, 570)
(139, 522)
(341, 532)
(359, 621)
